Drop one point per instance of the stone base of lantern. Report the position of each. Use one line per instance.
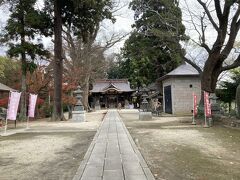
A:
(97, 107)
(78, 116)
(145, 116)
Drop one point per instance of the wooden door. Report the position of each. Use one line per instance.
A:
(168, 99)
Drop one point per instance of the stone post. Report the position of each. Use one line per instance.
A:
(144, 113)
(78, 113)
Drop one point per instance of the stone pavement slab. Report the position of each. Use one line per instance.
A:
(113, 154)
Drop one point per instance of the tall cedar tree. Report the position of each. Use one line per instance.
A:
(20, 34)
(83, 17)
(153, 48)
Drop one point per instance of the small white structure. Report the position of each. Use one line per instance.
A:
(178, 88)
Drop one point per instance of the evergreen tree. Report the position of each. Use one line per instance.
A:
(238, 101)
(153, 48)
(229, 87)
(228, 92)
(21, 36)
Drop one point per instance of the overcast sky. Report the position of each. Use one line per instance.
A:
(124, 20)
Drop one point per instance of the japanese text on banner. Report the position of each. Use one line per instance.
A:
(207, 105)
(194, 104)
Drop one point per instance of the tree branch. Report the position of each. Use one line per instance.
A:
(235, 64)
(193, 64)
(192, 20)
(209, 15)
(233, 34)
(203, 39)
(218, 9)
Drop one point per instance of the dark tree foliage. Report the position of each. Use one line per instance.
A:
(227, 93)
(82, 17)
(115, 70)
(153, 48)
(238, 101)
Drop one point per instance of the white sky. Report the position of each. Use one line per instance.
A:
(124, 20)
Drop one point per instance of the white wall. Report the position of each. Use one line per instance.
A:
(182, 98)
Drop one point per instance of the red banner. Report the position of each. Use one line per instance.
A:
(207, 105)
(194, 104)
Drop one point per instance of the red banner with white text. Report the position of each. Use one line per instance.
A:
(207, 105)
(194, 104)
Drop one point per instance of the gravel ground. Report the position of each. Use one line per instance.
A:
(48, 150)
(176, 150)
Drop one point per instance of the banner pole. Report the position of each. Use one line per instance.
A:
(205, 123)
(27, 123)
(193, 118)
(5, 132)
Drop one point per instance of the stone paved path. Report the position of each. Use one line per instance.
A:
(113, 155)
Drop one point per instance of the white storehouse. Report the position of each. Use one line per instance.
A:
(178, 87)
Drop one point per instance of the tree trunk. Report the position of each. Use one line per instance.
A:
(58, 62)
(70, 109)
(201, 105)
(211, 72)
(86, 92)
(23, 102)
(238, 101)
(229, 107)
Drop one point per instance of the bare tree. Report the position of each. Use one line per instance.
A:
(222, 20)
(86, 62)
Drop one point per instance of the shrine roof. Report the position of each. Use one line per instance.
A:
(182, 70)
(120, 85)
(5, 88)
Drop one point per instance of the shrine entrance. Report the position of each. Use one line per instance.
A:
(112, 101)
(109, 93)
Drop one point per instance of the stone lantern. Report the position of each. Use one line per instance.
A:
(215, 107)
(78, 113)
(144, 113)
(144, 104)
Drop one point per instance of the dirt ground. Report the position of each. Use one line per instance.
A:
(175, 150)
(48, 150)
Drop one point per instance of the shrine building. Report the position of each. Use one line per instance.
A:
(110, 93)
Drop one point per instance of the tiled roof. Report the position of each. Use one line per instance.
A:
(121, 85)
(182, 70)
(5, 88)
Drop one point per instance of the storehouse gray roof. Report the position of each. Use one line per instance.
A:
(120, 85)
(5, 88)
(182, 70)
